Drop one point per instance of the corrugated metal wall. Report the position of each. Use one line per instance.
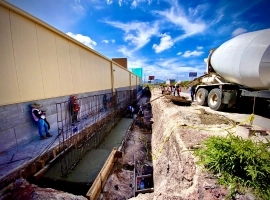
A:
(40, 62)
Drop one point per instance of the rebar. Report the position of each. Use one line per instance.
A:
(94, 123)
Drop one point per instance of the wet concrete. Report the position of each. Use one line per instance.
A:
(88, 168)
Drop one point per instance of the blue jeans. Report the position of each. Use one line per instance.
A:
(41, 124)
(192, 95)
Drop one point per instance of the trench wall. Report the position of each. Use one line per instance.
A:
(38, 63)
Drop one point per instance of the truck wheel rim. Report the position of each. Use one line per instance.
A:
(214, 99)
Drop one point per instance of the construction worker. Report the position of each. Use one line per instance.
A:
(40, 118)
(163, 89)
(130, 111)
(141, 116)
(177, 88)
(192, 92)
(75, 108)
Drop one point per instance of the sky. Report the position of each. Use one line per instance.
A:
(167, 38)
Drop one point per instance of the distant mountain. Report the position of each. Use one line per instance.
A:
(156, 81)
(159, 81)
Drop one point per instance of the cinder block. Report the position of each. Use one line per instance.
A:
(52, 110)
(2, 108)
(53, 102)
(5, 113)
(16, 111)
(26, 132)
(12, 118)
(8, 139)
(24, 115)
(11, 107)
(20, 121)
(3, 120)
(7, 125)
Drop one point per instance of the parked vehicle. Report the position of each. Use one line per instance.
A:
(237, 71)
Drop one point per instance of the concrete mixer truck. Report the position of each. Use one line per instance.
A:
(237, 71)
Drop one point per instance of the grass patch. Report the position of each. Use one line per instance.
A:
(242, 164)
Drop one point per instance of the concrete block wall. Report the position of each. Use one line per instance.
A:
(17, 125)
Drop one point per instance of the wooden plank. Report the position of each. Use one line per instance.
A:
(41, 172)
(144, 176)
(45, 168)
(42, 163)
(54, 153)
(148, 190)
(134, 182)
(101, 179)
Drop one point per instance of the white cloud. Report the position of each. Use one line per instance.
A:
(105, 41)
(120, 2)
(77, 7)
(83, 39)
(179, 53)
(219, 15)
(134, 4)
(189, 24)
(108, 41)
(168, 63)
(198, 11)
(238, 31)
(199, 47)
(165, 43)
(192, 53)
(109, 2)
(137, 62)
(138, 34)
(125, 51)
(173, 68)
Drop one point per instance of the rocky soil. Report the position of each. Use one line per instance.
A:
(176, 130)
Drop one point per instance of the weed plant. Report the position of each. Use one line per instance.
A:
(243, 165)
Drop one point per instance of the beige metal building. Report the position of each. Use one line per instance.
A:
(40, 63)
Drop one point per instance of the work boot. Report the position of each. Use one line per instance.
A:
(43, 137)
(48, 135)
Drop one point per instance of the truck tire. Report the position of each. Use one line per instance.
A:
(201, 97)
(214, 99)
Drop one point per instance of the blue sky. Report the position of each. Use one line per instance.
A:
(167, 38)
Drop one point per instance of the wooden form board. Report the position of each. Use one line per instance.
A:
(101, 179)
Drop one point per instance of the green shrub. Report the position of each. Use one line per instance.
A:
(242, 164)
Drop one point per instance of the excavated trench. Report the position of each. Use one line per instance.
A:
(119, 134)
(80, 179)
